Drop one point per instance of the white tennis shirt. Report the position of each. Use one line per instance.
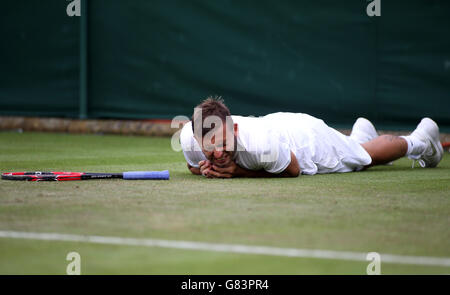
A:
(266, 143)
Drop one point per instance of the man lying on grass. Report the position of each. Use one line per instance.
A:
(218, 145)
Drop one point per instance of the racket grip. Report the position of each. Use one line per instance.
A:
(140, 175)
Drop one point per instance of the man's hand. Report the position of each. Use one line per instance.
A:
(232, 170)
(212, 171)
(205, 166)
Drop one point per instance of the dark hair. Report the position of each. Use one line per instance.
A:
(211, 106)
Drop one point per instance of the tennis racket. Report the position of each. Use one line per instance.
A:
(66, 176)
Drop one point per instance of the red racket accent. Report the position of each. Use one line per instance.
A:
(42, 173)
(40, 176)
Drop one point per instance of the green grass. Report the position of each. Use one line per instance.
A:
(395, 210)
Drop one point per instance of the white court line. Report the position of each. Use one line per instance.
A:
(228, 248)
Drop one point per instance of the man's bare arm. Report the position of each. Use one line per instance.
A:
(292, 170)
(194, 170)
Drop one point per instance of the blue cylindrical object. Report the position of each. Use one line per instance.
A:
(141, 175)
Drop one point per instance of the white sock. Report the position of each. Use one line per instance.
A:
(416, 147)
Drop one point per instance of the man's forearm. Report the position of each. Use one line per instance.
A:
(238, 171)
(194, 170)
(242, 172)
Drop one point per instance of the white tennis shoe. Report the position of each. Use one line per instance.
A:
(428, 132)
(363, 131)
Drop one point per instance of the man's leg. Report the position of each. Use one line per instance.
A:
(385, 149)
(363, 131)
(422, 145)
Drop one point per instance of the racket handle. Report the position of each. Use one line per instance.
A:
(140, 175)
